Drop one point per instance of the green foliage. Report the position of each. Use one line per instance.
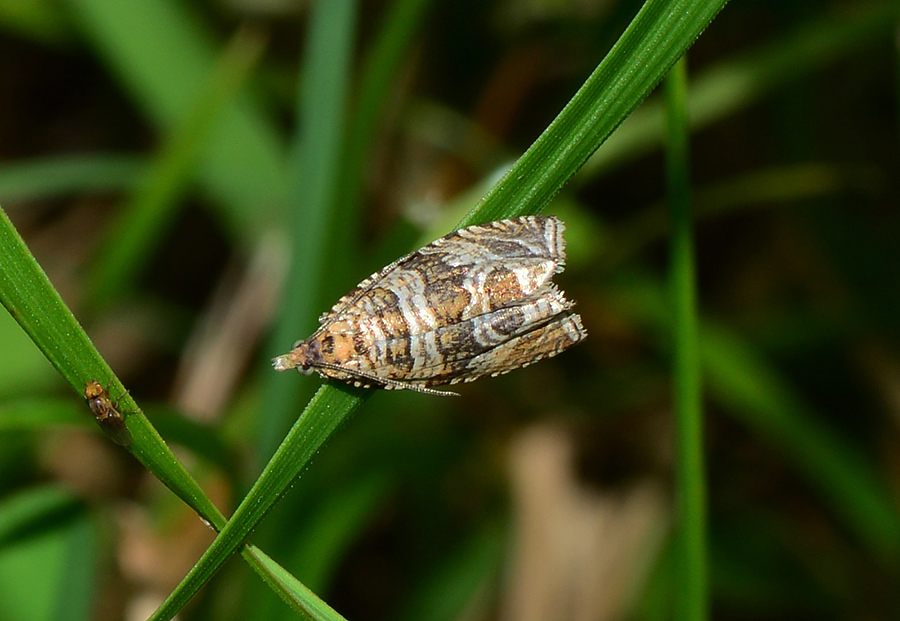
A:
(404, 512)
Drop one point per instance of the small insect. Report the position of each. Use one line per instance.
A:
(474, 303)
(107, 413)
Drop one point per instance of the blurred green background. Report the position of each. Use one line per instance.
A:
(149, 156)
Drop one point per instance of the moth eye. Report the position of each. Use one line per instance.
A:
(297, 344)
(305, 369)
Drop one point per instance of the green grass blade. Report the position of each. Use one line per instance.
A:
(30, 298)
(142, 222)
(27, 513)
(314, 227)
(42, 531)
(327, 411)
(379, 75)
(740, 379)
(740, 82)
(599, 106)
(302, 600)
(660, 33)
(50, 177)
(161, 53)
(691, 487)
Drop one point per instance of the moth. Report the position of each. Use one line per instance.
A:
(107, 413)
(477, 302)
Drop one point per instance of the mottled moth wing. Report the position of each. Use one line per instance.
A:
(510, 337)
(532, 242)
(476, 302)
(529, 347)
(360, 289)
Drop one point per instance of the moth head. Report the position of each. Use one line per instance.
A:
(298, 358)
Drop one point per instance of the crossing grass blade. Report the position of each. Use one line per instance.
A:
(658, 36)
(28, 295)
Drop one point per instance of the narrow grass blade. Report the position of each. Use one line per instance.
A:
(739, 378)
(660, 33)
(691, 476)
(639, 57)
(29, 297)
(50, 177)
(738, 83)
(302, 600)
(327, 411)
(161, 52)
(142, 222)
(27, 513)
(314, 228)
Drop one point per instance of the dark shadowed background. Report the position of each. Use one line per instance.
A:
(144, 157)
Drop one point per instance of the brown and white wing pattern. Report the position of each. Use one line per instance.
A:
(535, 241)
(476, 302)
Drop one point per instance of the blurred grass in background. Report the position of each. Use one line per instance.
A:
(165, 206)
